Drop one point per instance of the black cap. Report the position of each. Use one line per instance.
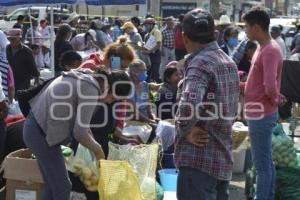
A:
(198, 23)
(275, 29)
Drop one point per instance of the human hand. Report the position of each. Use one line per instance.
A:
(100, 154)
(198, 137)
(3, 110)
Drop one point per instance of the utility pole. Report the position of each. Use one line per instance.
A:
(214, 8)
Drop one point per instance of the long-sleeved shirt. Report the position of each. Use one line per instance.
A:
(262, 91)
(23, 66)
(2, 95)
(65, 107)
(209, 99)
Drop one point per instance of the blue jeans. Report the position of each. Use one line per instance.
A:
(50, 160)
(192, 184)
(261, 148)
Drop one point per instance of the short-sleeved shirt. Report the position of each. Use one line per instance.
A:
(157, 34)
(79, 39)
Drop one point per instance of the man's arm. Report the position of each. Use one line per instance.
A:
(32, 66)
(271, 61)
(195, 87)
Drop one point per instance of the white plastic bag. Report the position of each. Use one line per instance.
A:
(166, 133)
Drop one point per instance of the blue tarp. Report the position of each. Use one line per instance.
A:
(114, 2)
(21, 2)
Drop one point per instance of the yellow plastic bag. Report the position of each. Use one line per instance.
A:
(118, 181)
(143, 160)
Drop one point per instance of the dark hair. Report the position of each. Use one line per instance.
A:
(105, 28)
(68, 58)
(62, 32)
(229, 30)
(169, 72)
(251, 45)
(118, 81)
(20, 17)
(259, 16)
(198, 25)
(93, 25)
(86, 36)
(34, 46)
(136, 20)
(180, 17)
(118, 22)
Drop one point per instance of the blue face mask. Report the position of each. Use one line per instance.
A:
(233, 42)
(142, 76)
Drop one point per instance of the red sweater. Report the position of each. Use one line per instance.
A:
(262, 89)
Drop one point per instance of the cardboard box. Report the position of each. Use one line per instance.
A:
(24, 180)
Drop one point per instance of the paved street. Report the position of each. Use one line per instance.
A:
(237, 187)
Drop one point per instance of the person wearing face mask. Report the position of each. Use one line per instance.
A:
(167, 91)
(140, 100)
(62, 44)
(231, 40)
(153, 50)
(45, 132)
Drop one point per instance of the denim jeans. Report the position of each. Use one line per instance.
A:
(261, 148)
(192, 184)
(155, 65)
(50, 160)
(168, 55)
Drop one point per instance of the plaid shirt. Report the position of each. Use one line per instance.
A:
(211, 78)
(168, 38)
(239, 52)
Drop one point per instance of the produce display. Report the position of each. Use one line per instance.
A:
(85, 166)
(284, 152)
(87, 174)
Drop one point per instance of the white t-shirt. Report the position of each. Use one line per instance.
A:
(45, 32)
(282, 46)
(79, 39)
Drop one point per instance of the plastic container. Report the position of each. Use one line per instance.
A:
(168, 179)
(239, 156)
(168, 161)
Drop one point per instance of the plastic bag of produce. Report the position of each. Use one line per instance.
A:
(143, 160)
(287, 184)
(118, 181)
(85, 166)
(284, 152)
(239, 134)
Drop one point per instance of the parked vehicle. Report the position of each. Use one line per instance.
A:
(36, 12)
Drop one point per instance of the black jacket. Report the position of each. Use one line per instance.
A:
(23, 66)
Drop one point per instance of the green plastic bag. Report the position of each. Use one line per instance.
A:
(287, 184)
(284, 152)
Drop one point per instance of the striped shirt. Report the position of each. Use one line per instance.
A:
(209, 98)
(4, 69)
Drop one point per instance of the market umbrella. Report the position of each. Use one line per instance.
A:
(114, 2)
(32, 2)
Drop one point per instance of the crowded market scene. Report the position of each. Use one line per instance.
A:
(149, 100)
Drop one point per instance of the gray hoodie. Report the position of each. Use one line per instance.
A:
(66, 106)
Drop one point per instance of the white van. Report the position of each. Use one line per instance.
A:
(37, 12)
